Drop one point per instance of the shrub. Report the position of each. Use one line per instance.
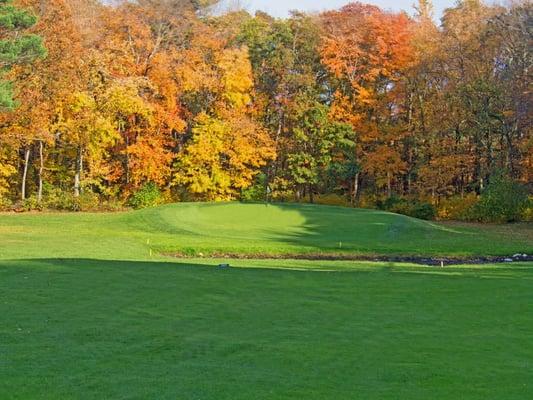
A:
(31, 204)
(503, 201)
(5, 204)
(282, 189)
(458, 208)
(256, 192)
(332, 200)
(392, 203)
(111, 205)
(400, 205)
(87, 201)
(147, 196)
(367, 200)
(56, 199)
(423, 211)
(527, 214)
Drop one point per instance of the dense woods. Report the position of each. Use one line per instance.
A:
(163, 100)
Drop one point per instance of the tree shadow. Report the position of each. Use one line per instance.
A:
(340, 229)
(139, 273)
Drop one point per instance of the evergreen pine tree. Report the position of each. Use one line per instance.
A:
(15, 46)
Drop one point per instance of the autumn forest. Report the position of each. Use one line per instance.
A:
(354, 106)
(198, 202)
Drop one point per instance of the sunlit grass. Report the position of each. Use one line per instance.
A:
(195, 229)
(90, 309)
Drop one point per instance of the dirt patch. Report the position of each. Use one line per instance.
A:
(431, 261)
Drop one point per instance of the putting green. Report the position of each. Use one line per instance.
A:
(281, 229)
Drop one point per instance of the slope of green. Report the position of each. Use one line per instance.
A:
(193, 228)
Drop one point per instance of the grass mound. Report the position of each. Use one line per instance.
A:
(234, 228)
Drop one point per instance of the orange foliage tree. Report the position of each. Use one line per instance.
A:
(368, 51)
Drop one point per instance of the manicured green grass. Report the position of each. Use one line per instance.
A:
(90, 310)
(253, 229)
(88, 329)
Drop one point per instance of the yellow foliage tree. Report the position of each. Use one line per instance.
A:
(6, 171)
(91, 134)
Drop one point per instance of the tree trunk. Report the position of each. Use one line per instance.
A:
(274, 169)
(41, 168)
(410, 174)
(490, 158)
(355, 189)
(510, 153)
(79, 173)
(127, 161)
(25, 172)
(350, 191)
(389, 185)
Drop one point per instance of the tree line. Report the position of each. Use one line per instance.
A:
(359, 103)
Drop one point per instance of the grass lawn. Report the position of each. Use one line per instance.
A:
(87, 313)
(194, 228)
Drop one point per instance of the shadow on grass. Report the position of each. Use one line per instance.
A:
(87, 328)
(251, 268)
(340, 229)
(364, 231)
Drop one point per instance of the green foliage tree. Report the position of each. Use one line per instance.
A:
(503, 200)
(292, 91)
(15, 47)
(148, 195)
(317, 141)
